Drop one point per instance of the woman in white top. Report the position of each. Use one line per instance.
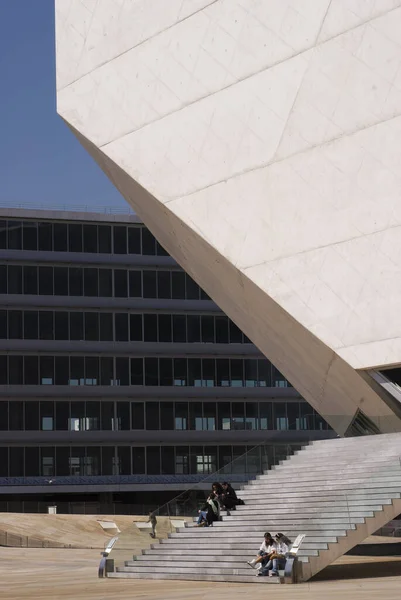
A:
(267, 547)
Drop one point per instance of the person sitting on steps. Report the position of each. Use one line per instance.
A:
(278, 557)
(209, 513)
(267, 548)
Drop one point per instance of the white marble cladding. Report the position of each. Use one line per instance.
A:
(272, 128)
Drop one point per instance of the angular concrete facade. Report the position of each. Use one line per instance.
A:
(260, 141)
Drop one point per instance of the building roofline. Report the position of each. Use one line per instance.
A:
(109, 215)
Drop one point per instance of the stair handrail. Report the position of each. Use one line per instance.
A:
(293, 567)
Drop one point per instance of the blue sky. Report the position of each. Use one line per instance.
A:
(41, 163)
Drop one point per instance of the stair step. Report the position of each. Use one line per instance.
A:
(198, 577)
(195, 569)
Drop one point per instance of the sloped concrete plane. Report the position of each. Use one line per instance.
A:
(260, 142)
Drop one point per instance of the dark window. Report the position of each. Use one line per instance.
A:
(75, 277)
(208, 372)
(91, 370)
(104, 239)
(90, 238)
(31, 322)
(121, 327)
(16, 415)
(160, 251)
(31, 370)
(293, 415)
(278, 379)
(251, 419)
(107, 409)
(151, 371)
(194, 372)
(182, 460)
(181, 416)
(166, 416)
(150, 328)
(168, 460)
(75, 237)
(163, 284)
(3, 370)
(14, 235)
(179, 328)
(77, 370)
(122, 371)
(192, 288)
(105, 283)
(138, 415)
(207, 329)
(149, 284)
(92, 326)
(93, 415)
(77, 326)
(62, 461)
(60, 237)
(32, 416)
(15, 370)
(180, 371)
(62, 370)
(3, 417)
(3, 235)
(107, 460)
(152, 415)
(251, 372)
(61, 281)
(136, 328)
(134, 240)
(195, 416)
(237, 372)
(91, 284)
(124, 460)
(46, 281)
(235, 334)
(120, 239)
(223, 417)
(148, 242)
(136, 371)
(166, 371)
(30, 235)
(165, 333)
(61, 326)
(264, 373)
(238, 415)
(46, 325)
(14, 279)
(223, 372)
(45, 234)
(47, 461)
(203, 295)
(106, 327)
(135, 284)
(3, 279)
(62, 415)
(221, 330)
(138, 460)
(30, 280)
(178, 285)
(46, 370)
(123, 416)
(280, 419)
(106, 370)
(15, 325)
(193, 328)
(265, 415)
(209, 416)
(3, 324)
(16, 462)
(120, 283)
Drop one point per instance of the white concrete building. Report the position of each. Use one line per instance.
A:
(260, 141)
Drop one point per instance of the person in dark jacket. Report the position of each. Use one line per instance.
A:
(209, 513)
(229, 498)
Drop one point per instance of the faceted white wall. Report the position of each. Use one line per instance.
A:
(267, 134)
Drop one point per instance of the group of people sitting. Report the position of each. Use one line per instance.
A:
(272, 555)
(222, 497)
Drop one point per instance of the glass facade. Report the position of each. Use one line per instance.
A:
(86, 461)
(152, 415)
(76, 370)
(72, 283)
(52, 280)
(119, 327)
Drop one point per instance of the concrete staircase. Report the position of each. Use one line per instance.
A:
(337, 492)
